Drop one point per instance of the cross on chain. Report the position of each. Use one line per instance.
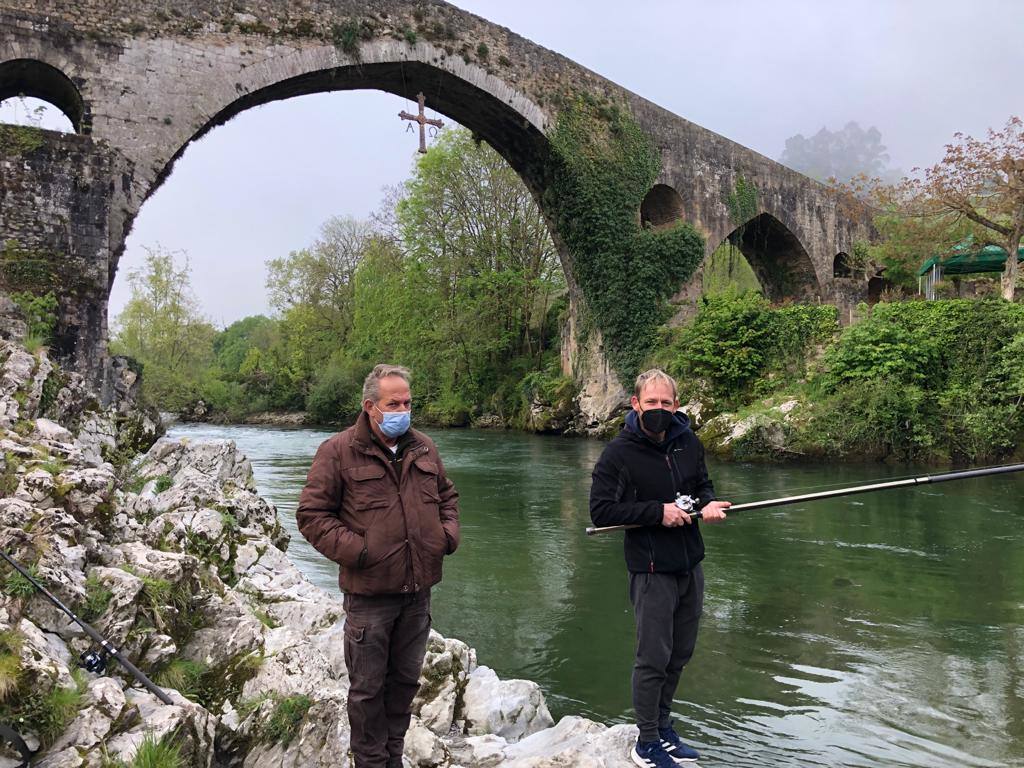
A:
(421, 118)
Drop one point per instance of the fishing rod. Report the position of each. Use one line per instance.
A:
(93, 661)
(683, 501)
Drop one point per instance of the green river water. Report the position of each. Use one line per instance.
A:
(884, 629)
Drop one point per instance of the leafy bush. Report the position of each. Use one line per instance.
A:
(736, 339)
(33, 707)
(879, 349)
(9, 478)
(927, 380)
(448, 409)
(184, 676)
(10, 662)
(157, 753)
(880, 417)
(40, 313)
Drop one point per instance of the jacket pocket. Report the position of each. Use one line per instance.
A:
(426, 473)
(367, 486)
(350, 550)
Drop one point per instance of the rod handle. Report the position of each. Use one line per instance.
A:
(592, 530)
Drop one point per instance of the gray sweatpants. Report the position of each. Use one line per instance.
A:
(667, 607)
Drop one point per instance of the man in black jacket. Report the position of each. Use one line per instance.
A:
(654, 459)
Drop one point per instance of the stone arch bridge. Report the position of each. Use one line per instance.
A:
(140, 80)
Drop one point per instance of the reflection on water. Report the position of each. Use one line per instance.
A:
(885, 629)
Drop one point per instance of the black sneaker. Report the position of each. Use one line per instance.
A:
(650, 754)
(674, 746)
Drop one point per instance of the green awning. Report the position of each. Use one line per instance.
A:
(927, 266)
(965, 259)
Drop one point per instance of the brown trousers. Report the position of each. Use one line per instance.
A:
(385, 642)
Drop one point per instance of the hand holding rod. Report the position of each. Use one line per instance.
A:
(92, 633)
(780, 502)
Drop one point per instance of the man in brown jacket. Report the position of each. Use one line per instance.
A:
(377, 502)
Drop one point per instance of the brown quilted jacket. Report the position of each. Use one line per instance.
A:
(387, 525)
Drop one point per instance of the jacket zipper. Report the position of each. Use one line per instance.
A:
(673, 469)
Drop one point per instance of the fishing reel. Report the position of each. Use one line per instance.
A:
(686, 503)
(94, 661)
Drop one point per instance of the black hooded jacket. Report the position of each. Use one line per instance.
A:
(635, 477)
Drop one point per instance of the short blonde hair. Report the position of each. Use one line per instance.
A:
(655, 374)
(371, 387)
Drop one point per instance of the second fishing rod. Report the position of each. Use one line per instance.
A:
(94, 660)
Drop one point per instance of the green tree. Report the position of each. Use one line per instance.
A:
(232, 345)
(463, 284)
(981, 181)
(469, 219)
(976, 190)
(161, 327)
(319, 278)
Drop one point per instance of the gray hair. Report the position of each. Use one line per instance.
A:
(655, 374)
(371, 387)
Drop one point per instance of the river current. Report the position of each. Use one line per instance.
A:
(884, 629)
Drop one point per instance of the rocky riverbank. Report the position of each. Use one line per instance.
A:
(174, 557)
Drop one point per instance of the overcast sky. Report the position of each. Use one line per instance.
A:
(754, 71)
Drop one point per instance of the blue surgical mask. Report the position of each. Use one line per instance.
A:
(395, 423)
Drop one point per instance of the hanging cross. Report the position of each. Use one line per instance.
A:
(421, 118)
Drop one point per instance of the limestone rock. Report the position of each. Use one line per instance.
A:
(118, 617)
(103, 706)
(231, 632)
(65, 758)
(38, 488)
(218, 460)
(293, 665)
(51, 430)
(193, 727)
(574, 741)
(423, 747)
(446, 668)
(511, 709)
(321, 741)
(168, 566)
(12, 321)
(479, 751)
(97, 436)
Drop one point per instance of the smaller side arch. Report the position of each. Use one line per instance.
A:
(661, 207)
(37, 79)
(841, 265)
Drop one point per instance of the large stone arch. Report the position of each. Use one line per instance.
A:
(508, 121)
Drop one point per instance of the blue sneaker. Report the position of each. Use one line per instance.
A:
(674, 746)
(650, 754)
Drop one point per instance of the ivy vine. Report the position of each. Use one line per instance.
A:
(600, 167)
(17, 140)
(742, 202)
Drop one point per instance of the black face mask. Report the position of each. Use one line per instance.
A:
(656, 420)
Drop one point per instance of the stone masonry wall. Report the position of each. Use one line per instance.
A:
(57, 196)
